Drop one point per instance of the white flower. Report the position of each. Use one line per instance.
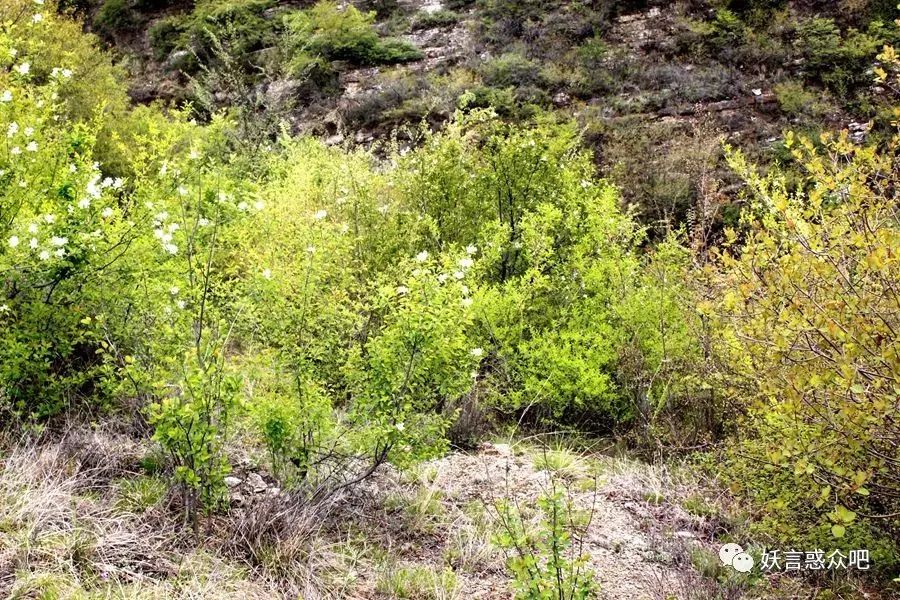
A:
(474, 374)
(243, 206)
(181, 304)
(476, 352)
(12, 130)
(59, 241)
(67, 73)
(194, 155)
(320, 215)
(311, 249)
(173, 227)
(13, 241)
(466, 302)
(182, 191)
(39, 2)
(73, 168)
(6, 96)
(470, 250)
(50, 218)
(23, 184)
(37, 18)
(33, 228)
(15, 151)
(29, 131)
(459, 274)
(23, 69)
(402, 289)
(267, 273)
(107, 181)
(32, 146)
(383, 209)
(84, 203)
(174, 290)
(422, 256)
(166, 238)
(33, 243)
(117, 183)
(259, 205)
(442, 277)
(106, 212)
(4, 308)
(44, 255)
(400, 426)
(161, 216)
(170, 248)
(60, 252)
(158, 233)
(465, 263)
(464, 289)
(202, 221)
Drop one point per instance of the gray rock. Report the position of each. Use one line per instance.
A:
(232, 482)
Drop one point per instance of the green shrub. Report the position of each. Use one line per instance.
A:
(165, 36)
(116, 16)
(511, 70)
(341, 34)
(839, 62)
(547, 560)
(433, 19)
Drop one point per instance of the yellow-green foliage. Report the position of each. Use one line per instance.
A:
(809, 321)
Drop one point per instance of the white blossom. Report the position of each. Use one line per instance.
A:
(202, 221)
(311, 249)
(170, 248)
(13, 241)
(4, 308)
(174, 290)
(442, 278)
(402, 289)
(84, 203)
(67, 73)
(106, 212)
(476, 352)
(59, 241)
(44, 255)
(182, 191)
(459, 274)
(267, 273)
(6, 96)
(259, 205)
(33, 243)
(470, 250)
(117, 183)
(37, 18)
(29, 131)
(15, 151)
(23, 69)
(320, 215)
(181, 304)
(400, 426)
(465, 263)
(60, 252)
(12, 130)
(32, 146)
(422, 256)
(50, 218)
(242, 206)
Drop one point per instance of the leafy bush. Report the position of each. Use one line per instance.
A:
(840, 62)
(546, 559)
(433, 19)
(807, 308)
(341, 34)
(116, 16)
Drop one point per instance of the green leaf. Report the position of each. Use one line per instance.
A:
(838, 531)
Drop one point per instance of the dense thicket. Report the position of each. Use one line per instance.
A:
(347, 309)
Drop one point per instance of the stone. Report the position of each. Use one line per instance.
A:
(256, 483)
(562, 100)
(232, 481)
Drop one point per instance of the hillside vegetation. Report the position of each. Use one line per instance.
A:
(530, 328)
